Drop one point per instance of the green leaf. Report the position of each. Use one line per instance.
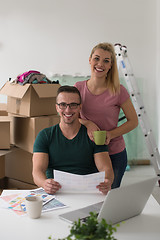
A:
(92, 229)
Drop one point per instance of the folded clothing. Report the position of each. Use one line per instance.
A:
(33, 77)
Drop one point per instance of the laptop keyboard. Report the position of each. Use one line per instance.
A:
(85, 218)
(82, 213)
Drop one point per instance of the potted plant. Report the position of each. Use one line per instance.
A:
(91, 229)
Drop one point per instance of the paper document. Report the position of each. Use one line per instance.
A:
(74, 183)
(13, 201)
(14, 204)
(53, 205)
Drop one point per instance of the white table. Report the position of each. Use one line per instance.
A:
(145, 226)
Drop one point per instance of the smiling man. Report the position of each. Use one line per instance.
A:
(67, 147)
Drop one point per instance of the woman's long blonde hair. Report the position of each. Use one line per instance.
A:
(112, 77)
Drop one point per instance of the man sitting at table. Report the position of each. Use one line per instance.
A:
(67, 147)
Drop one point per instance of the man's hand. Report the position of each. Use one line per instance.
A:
(105, 186)
(50, 186)
(91, 127)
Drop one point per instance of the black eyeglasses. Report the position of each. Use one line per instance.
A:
(64, 105)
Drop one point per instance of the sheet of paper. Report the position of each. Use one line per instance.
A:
(5, 199)
(53, 205)
(73, 183)
(13, 201)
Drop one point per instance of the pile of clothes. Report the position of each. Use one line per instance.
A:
(32, 77)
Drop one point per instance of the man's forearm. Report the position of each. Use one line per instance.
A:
(103, 163)
(109, 174)
(39, 178)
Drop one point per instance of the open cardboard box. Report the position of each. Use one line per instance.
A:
(24, 130)
(30, 99)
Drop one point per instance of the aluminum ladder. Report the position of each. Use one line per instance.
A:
(124, 65)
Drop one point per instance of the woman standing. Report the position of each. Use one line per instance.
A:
(102, 98)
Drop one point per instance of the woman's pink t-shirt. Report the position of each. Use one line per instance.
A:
(103, 110)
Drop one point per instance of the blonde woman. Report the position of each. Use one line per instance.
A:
(102, 98)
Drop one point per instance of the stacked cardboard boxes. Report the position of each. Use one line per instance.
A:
(4, 127)
(3, 109)
(31, 108)
(4, 141)
(2, 167)
(24, 130)
(2, 170)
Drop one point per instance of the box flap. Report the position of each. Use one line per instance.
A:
(46, 90)
(3, 107)
(5, 119)
(16, 115)
(4, 152)
(14, 90)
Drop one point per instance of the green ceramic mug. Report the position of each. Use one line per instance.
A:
(99, 137)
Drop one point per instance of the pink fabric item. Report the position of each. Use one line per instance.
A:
(103, 110)
(22, 76)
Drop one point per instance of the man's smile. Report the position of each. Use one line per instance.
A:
(68, 115)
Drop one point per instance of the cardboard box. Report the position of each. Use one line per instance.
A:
(18, 165)
(31, 99)
(25, 130)
(2, 167)
(16, 184)
(3, 109)
(5, 132)
(4, 152)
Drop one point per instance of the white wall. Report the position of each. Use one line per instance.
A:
(157, 115)
(56, 36)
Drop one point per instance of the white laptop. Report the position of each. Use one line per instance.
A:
(119, 204)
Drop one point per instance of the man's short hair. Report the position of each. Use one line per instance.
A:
(69, 89)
